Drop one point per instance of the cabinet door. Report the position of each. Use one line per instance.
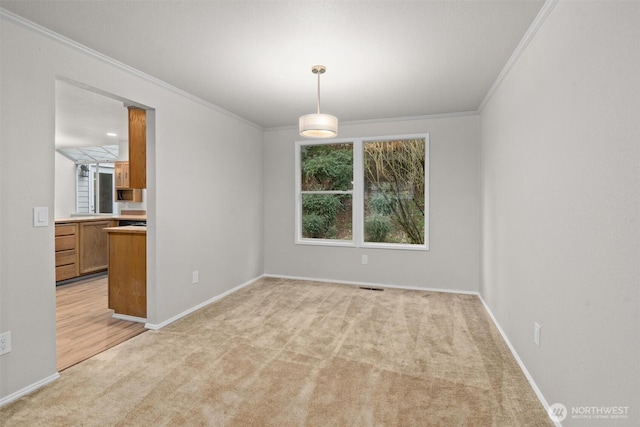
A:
(121, 170)
(125, 175)
(138, 148)
(117, 169)
(93, 247)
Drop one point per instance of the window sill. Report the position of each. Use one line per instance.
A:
(351, 244)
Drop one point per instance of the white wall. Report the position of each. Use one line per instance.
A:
(198, 218)
(560, 206)
(65, 187)
(453, 259)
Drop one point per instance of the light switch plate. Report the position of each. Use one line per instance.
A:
(41, 217)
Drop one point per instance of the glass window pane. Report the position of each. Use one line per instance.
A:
(327, 216)
(394, 184)
(327, 167)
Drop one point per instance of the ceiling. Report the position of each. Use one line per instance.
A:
(384, 59)
(85, 118)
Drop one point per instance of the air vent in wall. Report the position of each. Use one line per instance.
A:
(366, 288)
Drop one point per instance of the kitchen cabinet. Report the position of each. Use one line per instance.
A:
(81, 246)
(137, 148)
(121, 170)
(131, 176)
(124, 192)
(128, 271)
(66, 243)
(94, 246)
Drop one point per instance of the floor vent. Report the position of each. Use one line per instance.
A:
(371, 289)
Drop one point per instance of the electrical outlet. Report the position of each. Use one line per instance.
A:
(536, 333)
(196, 277)
(5, 342)
(365, 259)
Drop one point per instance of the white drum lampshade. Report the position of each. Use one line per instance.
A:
(318, 125)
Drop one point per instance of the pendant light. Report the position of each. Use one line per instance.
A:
(318, 125)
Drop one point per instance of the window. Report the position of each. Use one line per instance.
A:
(94, 188)
(363, 192)
(94, 177)
(326, 191)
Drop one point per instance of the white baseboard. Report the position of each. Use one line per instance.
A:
(520, 362)
(29, 389)
(129, 318)
(382, 285)
(161, 325)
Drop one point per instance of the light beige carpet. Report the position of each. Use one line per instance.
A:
(293, 353)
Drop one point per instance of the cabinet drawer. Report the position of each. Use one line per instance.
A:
(64, 243)
(65, 272)
(65, 230)
(65, 257)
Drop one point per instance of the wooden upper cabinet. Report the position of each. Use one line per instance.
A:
(124, 192)
(137, 148)
(121, 170)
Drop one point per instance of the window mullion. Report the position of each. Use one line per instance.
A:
(358, 199)
(327, 192)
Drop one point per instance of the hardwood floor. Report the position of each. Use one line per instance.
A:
(84, 324)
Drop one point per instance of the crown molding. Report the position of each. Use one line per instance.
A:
(546, 9)
(36, 28)
(412, 118)
(387, 120)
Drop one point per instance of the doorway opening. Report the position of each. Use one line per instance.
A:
(91, 138)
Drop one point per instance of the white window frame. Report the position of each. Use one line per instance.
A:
(322, 242)
(357, 194)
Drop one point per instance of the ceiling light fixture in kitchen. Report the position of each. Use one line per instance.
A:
(318, 125)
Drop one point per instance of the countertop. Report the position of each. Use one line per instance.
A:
(85, 218)
(129, 229)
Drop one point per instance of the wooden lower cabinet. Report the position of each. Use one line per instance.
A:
(128, 271)
(94, 246)
(64, 258)
(66, 243)
(81, 248)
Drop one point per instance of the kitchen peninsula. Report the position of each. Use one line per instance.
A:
(128, 271)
